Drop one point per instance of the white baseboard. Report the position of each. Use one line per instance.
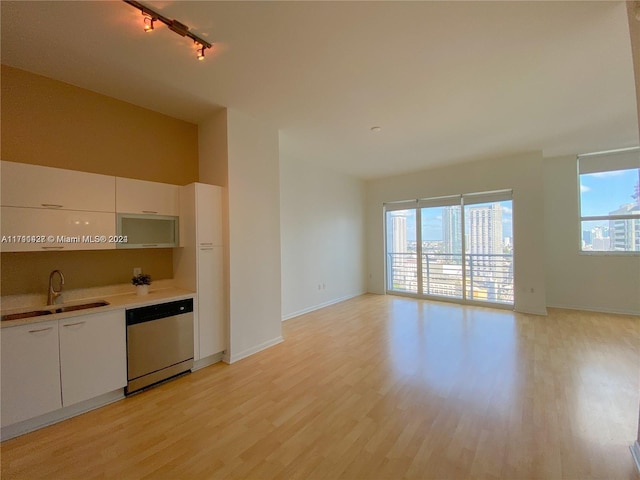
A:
(616, 311)
(532, 311)
(289, 316)
(250, 351)
(635, 452)
(26, 426)
(205, 362)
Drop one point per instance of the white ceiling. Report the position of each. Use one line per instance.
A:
(446, 81)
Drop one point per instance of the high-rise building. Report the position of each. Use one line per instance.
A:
(625, 233)
(485, 229)
(399, 233)
(451, 230)
(598, 239)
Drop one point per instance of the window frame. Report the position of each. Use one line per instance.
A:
(623, 165)
(461, 200)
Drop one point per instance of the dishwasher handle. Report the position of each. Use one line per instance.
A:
(157, 311)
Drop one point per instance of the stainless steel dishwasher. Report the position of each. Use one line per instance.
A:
(159, 343)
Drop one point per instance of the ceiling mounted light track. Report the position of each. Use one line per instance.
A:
(151, 16)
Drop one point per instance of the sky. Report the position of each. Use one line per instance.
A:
(602, 193)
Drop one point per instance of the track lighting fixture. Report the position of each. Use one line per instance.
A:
(200, 51)
(148, 23)
(151, 16)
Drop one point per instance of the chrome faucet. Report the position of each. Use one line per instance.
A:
(53, 294)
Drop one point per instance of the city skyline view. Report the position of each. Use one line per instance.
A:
(470, 258)
(432, 222)
(610, 193)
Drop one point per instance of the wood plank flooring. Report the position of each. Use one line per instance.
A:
(377, 387)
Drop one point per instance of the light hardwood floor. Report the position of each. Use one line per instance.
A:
(377, 387)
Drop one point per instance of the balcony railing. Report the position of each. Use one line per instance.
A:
(489, 277)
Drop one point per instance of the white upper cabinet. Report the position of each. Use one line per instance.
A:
(142, 197)
(25, 185)
(39, 229)
(208, 215)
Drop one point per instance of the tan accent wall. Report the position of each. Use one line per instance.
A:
(46, 122)
(28, 272)
(212, 143)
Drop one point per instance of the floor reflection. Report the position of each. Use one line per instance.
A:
(465, 354)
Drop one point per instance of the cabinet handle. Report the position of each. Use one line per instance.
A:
(41, 330)
(51, 205)
(148, 211)
(206, 243)
(52, 248)
(73, 324)
(206, 248)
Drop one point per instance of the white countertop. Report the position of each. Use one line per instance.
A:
(117, 301)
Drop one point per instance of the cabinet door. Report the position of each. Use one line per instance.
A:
(93, 358)
(70, 229)
(139, 196)
(30, 371)
(208, 215)
(25, 185)
(212, 334)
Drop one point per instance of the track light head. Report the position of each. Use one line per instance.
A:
(200, 51)
(148, 23)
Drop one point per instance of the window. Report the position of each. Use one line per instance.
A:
(610, 201)
(457, 247)
(402, 273)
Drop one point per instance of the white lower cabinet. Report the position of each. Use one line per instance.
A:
(30, 371)
(93, 356)
(58, 363)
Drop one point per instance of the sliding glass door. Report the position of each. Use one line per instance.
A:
(402, 245)
(442, 261)
(489, 251)
(458, 247)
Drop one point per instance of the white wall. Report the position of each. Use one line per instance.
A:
(254, 235)
(522, 173)
(609, 283)
(322, 235)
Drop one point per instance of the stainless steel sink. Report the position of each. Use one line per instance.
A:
(51, 310)
(17, 316)
(71, 308)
